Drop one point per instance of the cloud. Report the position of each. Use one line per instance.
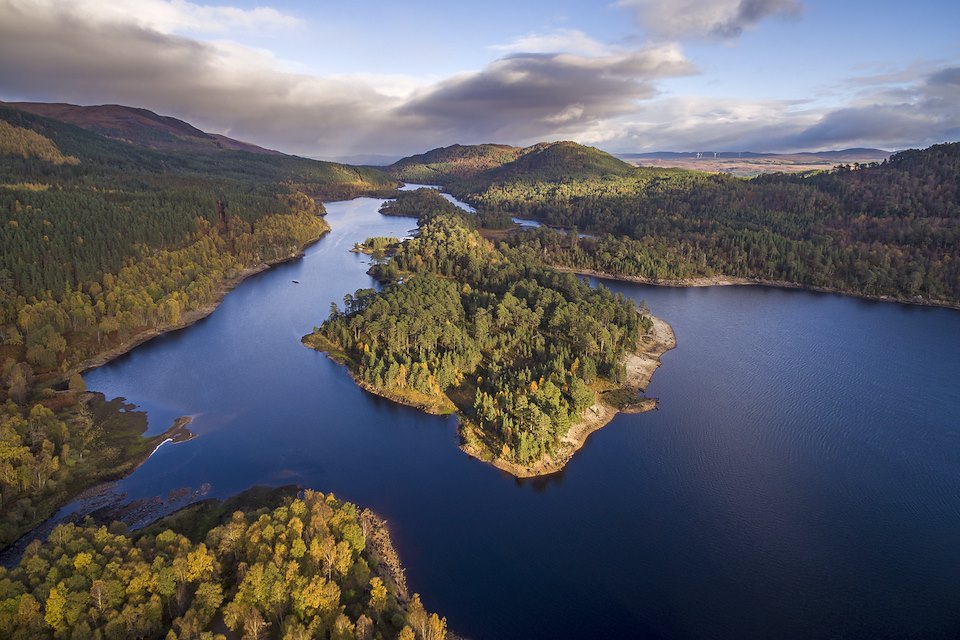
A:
(556, 41)
(223, 86)
(917, 114)
(220, 86)
(724, 19)
(566, 86)
(539, 94)
(164, 16)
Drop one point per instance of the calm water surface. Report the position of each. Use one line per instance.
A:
(801, 478)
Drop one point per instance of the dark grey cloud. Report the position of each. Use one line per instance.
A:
(51, 52)
(54, 54)
(925, 113)
(750, 12)
(707, 18)
(530, 95)
(949, 77)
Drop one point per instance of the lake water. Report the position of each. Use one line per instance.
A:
(801, 478)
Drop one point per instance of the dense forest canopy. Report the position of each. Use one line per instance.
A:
(101, 239)
(306, 568)
(414, 203)
(880, 229)
(517, 347)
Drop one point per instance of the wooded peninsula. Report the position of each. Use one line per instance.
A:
(532, 359)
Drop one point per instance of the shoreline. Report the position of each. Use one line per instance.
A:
(389, 568)
(317, 342)
(188, 319)
(641, 365)
(725, 281)
(178, 432)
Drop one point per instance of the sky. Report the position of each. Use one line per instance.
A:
(340, 79)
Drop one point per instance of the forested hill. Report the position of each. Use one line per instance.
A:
(440, 166)
(138, 126)
(102, 239)
(558, 162)
(483, 164)
(880, 229)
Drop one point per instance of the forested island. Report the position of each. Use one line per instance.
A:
(532, 359)
(263, 564)
(885, 229)
(106, 242)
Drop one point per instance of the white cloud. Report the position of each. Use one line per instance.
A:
(164, 16)
(556, 41)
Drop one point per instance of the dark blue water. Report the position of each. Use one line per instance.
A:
(801, 478)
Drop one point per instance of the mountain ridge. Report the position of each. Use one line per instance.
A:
(138, 126)
(494, 162)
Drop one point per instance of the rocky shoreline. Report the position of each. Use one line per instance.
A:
(641, 366)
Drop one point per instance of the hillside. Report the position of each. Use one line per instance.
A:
(885, 229)
(80, 208)
(489, 163)
(104, 244)
(138, 126)
(442, 165)
(877, 229)
(558, 162)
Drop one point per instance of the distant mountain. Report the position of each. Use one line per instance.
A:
(549, 161)
(441, 165)
(138, 126)
(859, 154)
(843, 155)
(558, 162)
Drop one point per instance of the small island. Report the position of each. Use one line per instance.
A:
(533, 360)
